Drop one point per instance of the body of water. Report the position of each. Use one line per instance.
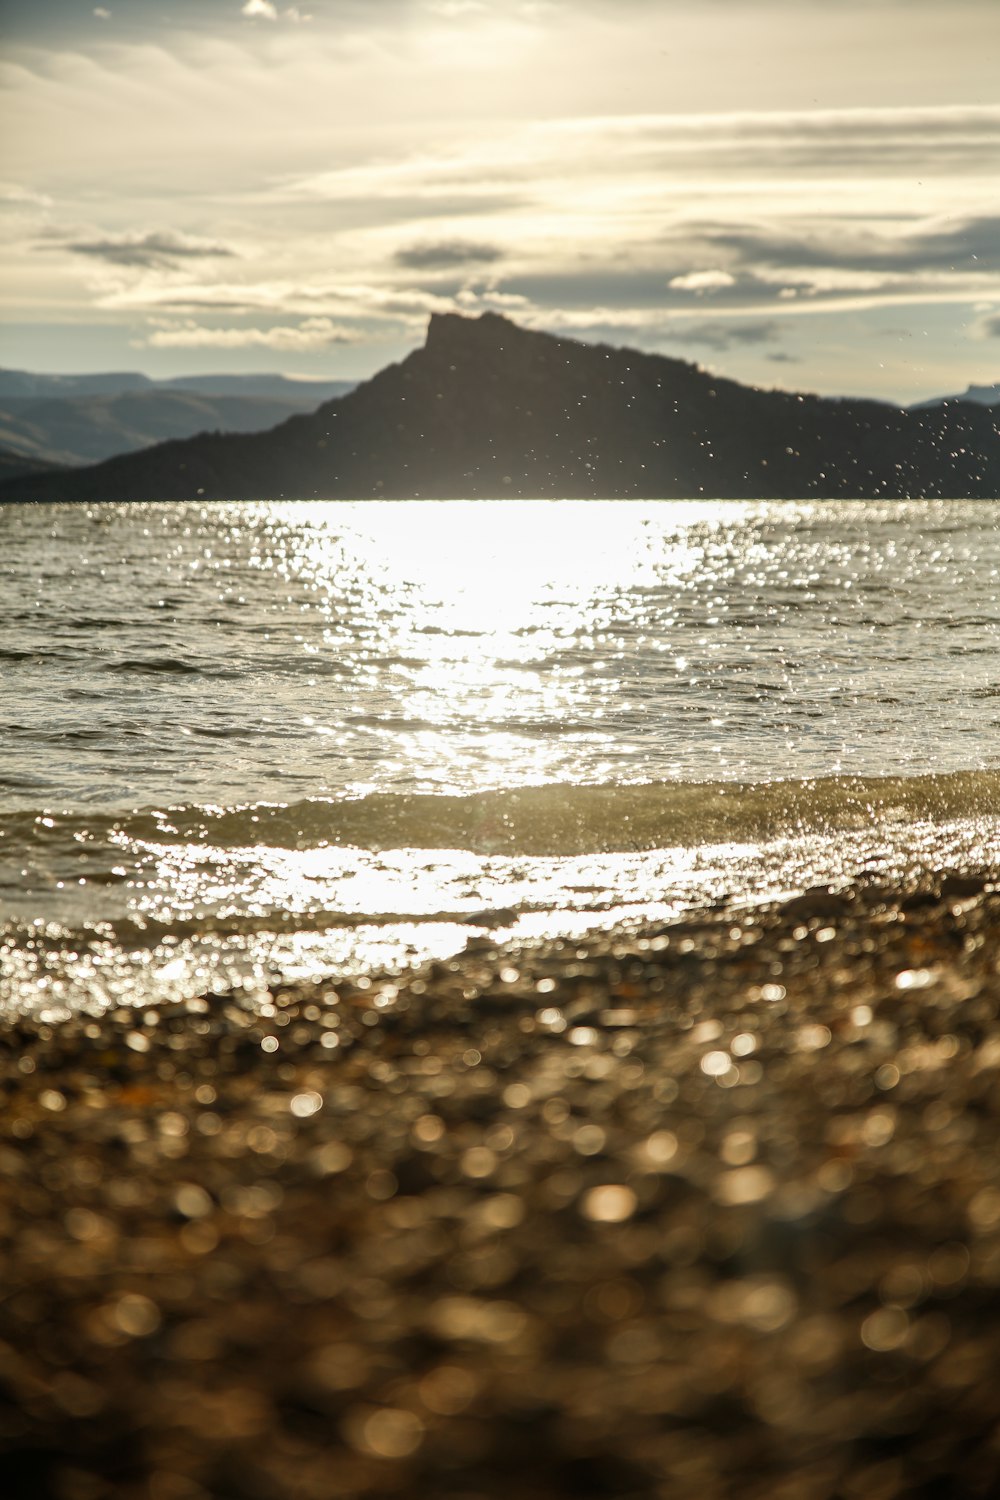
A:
(247, 739)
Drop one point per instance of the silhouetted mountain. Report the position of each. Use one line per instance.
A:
(489, 409)
(84, 429)
(982, 395)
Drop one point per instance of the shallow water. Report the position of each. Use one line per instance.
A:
(309, 736)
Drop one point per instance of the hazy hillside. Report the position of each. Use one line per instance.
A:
(25, 384)
(82, 419)
(305, 394)
(79, 430)
(982, 395)
(489, 409)
(13, 465)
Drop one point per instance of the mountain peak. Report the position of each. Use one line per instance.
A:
(457, 328)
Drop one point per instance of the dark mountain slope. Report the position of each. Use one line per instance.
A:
(490, 409)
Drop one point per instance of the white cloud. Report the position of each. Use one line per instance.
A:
(12, 192)
(314, 333)
(702, 281)
(716, 151)
(262, 9)
(101, 13)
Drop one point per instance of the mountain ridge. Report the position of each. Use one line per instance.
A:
(15, 465)
(487, 409)
(34, 385)
(86, 428)
(982, 395)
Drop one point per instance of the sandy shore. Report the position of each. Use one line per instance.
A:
(707, 1211)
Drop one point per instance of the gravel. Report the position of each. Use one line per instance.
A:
(707, 1210)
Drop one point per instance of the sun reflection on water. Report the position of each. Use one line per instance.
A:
(510, 618)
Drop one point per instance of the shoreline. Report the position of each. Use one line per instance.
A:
(707, 1209)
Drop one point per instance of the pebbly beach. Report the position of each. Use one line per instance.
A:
(708, 1209)
(500, 750)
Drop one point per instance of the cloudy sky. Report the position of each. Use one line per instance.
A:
(799, 193)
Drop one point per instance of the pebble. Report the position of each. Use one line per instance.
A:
(711, 1210)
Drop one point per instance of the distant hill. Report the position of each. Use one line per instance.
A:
(304, 394)
(981, 395)
(26, 384)
(13, 465)
(82, 419)
(85, 429)
(488, 409)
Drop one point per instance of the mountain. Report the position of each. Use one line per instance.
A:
(85, 429)
(14, 465)
(488, 409)
(304, 394)
(82, 419)
(982, 395)
(27, 385)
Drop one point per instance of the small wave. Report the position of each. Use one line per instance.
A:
(548, 820)
(166, 664)
(15, 783)
(142, 933)
(36, 655)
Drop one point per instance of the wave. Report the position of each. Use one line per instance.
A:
(141, 933)
(169, 665)
(549, 820)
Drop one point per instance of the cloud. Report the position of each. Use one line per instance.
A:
(451, 8)
(343, 300)
(553, 158)
(658, 212)
(313, 333)
(446, 254)
(12, 192)
(969, 247)
(101, 13)
(265, 10)
(702, 281)
(724, 335)
(155, 250)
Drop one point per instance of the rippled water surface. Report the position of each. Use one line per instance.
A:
(323, 734)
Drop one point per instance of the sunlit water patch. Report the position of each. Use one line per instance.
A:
(239, 740)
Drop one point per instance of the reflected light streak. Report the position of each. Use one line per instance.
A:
(472, 597)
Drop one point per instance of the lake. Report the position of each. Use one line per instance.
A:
(241, 740)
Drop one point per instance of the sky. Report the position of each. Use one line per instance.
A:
(794, 193)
